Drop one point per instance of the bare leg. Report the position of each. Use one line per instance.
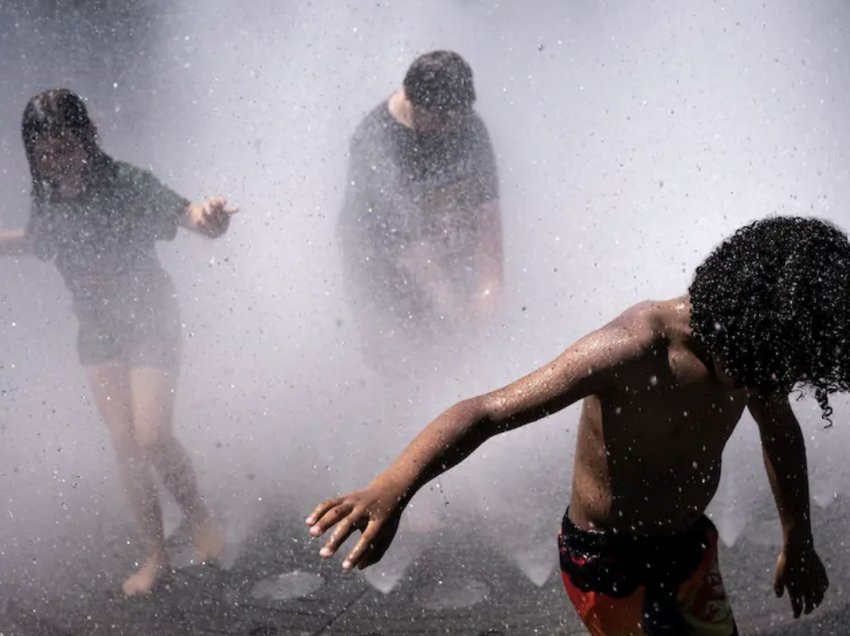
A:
(111, 388)
(153, 392)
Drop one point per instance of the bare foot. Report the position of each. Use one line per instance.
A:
(208, 542)
(143, 581)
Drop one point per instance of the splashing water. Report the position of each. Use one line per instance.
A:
(386, 575)
(285, 410)
(537, 562)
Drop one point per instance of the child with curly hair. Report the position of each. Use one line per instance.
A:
(663, 387)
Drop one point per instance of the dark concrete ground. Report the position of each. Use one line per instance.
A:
(436, 595)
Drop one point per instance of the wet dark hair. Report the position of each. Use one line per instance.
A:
(772, 305)
(55, 114)
(440, 80)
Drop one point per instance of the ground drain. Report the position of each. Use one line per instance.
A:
(449, 594)
(282, 587)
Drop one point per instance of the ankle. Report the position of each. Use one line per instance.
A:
(158, 555)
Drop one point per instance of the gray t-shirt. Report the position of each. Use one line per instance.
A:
(410, 191)
(103, 240)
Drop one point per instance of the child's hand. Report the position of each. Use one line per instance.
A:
(800, 569)
(212, 217)
(375, 511)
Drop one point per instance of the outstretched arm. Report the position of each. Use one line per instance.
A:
(211, 218)
(798, 568)
(586, 368)
(14, 242)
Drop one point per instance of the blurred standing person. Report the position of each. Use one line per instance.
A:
(97, 219)
(420, 229)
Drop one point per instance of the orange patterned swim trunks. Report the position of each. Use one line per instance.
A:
(626, 585)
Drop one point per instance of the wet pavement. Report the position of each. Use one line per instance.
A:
(276, 585)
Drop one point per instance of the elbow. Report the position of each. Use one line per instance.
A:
(480, 418)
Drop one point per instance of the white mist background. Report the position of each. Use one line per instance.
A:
(631, 137)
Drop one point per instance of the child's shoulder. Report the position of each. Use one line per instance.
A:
(646, 321)
(637, 333)
(654, 328)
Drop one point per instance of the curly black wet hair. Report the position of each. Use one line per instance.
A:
(771, 304)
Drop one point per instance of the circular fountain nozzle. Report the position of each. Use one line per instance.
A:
(282, 587)
(454, 593)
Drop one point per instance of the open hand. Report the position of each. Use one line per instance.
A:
(801, 572)
(375, 511)
(213, 217)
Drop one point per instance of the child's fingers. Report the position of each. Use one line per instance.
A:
(778, 583)
(814, 598)
(374, 554)
(342, 531)
(213, 205)
(796, 603)
(363, 545)
(219, 214)
(215, 220)
(809, 603)
(330, 518)
(321, 509)
(213, 212)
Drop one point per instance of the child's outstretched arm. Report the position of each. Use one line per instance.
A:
(13, 242)
(586, 368)
(798, 568)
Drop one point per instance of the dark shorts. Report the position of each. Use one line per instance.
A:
(609, 592)
(147, 336)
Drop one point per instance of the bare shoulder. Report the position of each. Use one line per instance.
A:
(634, 336)
(641, 327)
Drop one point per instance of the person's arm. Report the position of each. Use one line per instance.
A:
(161, 210)
(799, 569)
(14, 242)
(489, 256)
(211, 218)
(488, 215)
(586, 368)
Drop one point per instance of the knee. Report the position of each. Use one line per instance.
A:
(124, 442)
(152, 442)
